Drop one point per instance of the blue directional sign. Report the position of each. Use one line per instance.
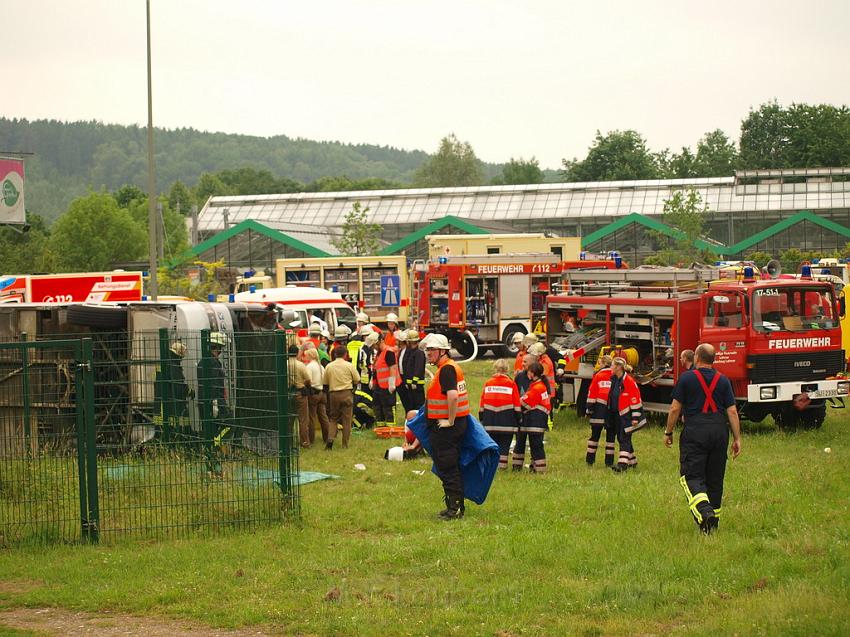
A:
(390, 290)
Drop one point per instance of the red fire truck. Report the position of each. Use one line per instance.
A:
(778, 340)
(480, 302)
(82, 287)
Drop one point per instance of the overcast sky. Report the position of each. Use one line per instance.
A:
(512, 78)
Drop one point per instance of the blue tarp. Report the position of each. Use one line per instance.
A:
(479, 456)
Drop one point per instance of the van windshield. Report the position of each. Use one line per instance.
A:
(345, 316)
(793, 309)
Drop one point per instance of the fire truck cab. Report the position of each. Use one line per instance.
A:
(778, 340)
(481, 301)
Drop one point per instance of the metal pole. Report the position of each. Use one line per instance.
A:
(194, 225)
(153, 288)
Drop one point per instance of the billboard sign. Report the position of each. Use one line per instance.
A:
(12, 191)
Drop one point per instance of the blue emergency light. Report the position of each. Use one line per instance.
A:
(748, 272)
(252, 288)
(231, 298)
(806, 272)
(211, 298)
(443, 260)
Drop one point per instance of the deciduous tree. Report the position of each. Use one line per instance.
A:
(520, 171)
(359, 237)
(95, 233)
(619, 155)
(454, 164)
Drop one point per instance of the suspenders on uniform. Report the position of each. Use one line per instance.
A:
(709, 406)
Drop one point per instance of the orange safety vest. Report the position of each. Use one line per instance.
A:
(518, 362)
(437, 403)
(389, 339)
(383, 371)
(548, 369)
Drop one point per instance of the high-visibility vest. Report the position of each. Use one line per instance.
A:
(499, 406)
(537, 405)
(384, 371)
(437, 403)
(354, 348)
(548, 369)
(389, 339)
(518, 362)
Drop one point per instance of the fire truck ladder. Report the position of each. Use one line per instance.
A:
(638, 281)
(586, 347)
(418, 265)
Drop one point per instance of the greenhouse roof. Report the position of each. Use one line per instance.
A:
(812, 189)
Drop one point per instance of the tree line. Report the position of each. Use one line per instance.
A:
(98, 168)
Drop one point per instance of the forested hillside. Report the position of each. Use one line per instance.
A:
(69, 158)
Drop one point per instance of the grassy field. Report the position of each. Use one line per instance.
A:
(577, 551)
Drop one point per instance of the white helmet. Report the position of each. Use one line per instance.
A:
(396, 454)
(371, 339)
(217, 338)
(517, 338)
(392, 318)
(362, 317)
(530, 339)
(538, 349)
(437, 341)
(400, 336)
(315, 330)
(326, 334)
(412, 336)
(341, 332)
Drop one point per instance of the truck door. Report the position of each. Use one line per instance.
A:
(456, 302)
(724, 325)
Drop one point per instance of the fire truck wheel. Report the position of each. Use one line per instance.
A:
(508, 347)
(786, 417)
(97, 316)
(464, 344)
(813, 417)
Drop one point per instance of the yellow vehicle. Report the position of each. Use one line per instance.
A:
(836, 272)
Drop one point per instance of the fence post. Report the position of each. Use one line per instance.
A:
(205, 406)
(284, 419)
(92, 524)
(25, 388)
(166, 387)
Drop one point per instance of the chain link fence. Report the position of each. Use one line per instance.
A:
(161, 434)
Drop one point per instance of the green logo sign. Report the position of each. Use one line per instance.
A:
(10, 193)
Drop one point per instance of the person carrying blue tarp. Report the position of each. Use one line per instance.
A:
(465, 457)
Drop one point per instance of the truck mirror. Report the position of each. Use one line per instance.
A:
(842, 306)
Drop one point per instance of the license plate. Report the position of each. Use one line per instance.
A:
(824, 393)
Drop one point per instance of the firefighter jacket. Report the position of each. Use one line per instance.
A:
(629, 406)
(384, 372)
(556, 357)
(536, 405)
(437, 402)
(518, 362)
(413, 373)
(548, 369)
(499, 408)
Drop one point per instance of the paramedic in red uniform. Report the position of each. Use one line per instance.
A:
(704, 397)
(499, 409)
(536, 406)
(447, 411)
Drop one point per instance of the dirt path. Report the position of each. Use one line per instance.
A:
(57, 621)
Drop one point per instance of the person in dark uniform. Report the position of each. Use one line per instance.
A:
(447, 411)
(212, 385)
(704, 397)
(413, 374)
(385, 380)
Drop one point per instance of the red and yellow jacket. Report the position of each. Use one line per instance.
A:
(536, 405)
(629, 405)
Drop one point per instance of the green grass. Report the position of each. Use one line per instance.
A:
(577, 551)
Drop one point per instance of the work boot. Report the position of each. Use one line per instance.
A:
(590, 458)
(609, 460)
(329, 445)
(620, 468)
(454, 509)
(708, 525)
